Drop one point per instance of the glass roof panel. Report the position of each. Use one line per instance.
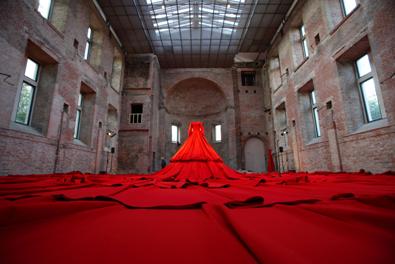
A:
(201, 21)
(181, 31)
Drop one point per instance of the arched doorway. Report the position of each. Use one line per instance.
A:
(254, 155)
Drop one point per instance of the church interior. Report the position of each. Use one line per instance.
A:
(197, 131)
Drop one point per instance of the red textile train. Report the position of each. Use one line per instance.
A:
(198, 210)
(197, 162)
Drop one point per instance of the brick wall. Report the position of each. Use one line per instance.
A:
(210, 100)
(58, 41)
(247, 113)
(347, 142)
(138, 141)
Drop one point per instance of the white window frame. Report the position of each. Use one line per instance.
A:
(77, 128)
(48, 9)
(303, 41)
(344, 6)
(361, 80)
(314, 111)
(32, 83)
(217, 133)
(89, 43)
(175, 133)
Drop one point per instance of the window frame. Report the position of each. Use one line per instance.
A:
(281, 123)
(314, 111)
(136, 118)
(88, 44)
(50, 10)
(77, 128)
(214, 133)
(303, 41)
(273, 77)
(178, 140)
(343, 7)
(34, 84)
(360, 81)
(117, 77)
(244, 82)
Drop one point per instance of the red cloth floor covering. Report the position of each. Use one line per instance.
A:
(198, 210)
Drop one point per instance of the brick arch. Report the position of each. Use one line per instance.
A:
(195, 97)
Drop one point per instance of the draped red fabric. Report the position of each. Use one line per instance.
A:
(196, 147)
(196, 161)
(198, 210)
(270, 163)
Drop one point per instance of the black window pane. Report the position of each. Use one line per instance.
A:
(248, 78)
(137, 109)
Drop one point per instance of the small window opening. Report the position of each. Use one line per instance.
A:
(217, 133)
(136, 115)
(317, 39)
(175, 134)
(248, 78)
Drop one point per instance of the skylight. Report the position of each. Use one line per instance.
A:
(196, 33)
(221, 17)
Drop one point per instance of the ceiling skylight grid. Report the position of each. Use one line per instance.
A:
(172, 15)
(195, 33)
(197, 21)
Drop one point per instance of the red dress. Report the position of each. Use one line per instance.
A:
(197, 162)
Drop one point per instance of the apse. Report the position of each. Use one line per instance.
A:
(197, 99)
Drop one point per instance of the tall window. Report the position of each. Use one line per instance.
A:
(348, 6)
(314, 110)
(217, 133)
(44, 8)
(280, 123)
(136, 113)
(275, 73)
(29, 86)
(368, 88)
(89, 42)
(77, 127)
(116, 70)
(85, 117)
(248, 78)
(175, 134)
(303, 41)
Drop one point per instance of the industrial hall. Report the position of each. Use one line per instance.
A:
(197, 131)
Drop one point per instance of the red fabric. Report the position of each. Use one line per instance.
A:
(198, 211)
(270, 163)
(196, 147)
(297, 218)
(197, 162)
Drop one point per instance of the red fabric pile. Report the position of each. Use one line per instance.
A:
(176, 216)
(197, 162)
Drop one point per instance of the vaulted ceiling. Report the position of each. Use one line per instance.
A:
(195, 33)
